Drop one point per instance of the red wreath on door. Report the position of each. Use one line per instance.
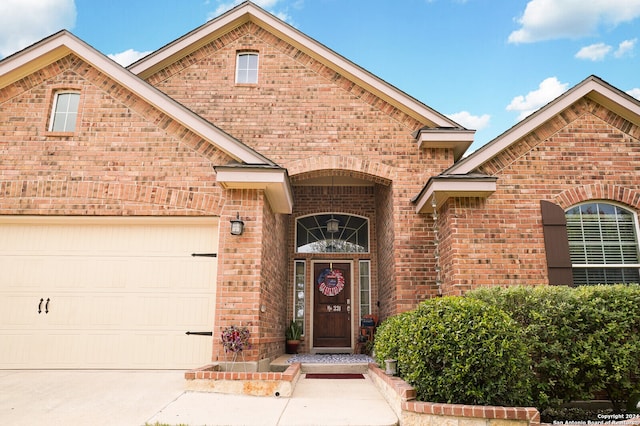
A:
(330, 282)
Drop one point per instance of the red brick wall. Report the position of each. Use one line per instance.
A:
(251, 274)
(385, 233)
(356, 200)
(585, 153)
(126, 158)
(274, 294)
(309, 119)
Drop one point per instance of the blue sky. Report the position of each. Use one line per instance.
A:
(484, 63)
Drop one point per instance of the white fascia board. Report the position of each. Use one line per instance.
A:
(591, 87)
(274, 181)
(189, 42)
(64, 43)
(445, 189)
(458, 140)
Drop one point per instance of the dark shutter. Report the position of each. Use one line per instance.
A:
(556, 244)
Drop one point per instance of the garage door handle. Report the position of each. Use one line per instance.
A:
(40, 305)
(46, 306)
(199, 333)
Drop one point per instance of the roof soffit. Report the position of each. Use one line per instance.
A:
(274, 181)
(445, 187)
(457, 139)
(592, 88)
(249, 12)
(63, 43)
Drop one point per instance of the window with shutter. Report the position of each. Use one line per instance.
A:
(603, 244)
(556, 244)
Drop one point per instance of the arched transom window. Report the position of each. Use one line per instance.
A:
(603, 244)
(351, 236)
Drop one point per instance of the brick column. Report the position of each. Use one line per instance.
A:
(239, 271)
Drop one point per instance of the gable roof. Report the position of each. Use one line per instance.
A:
(472, 184)
(592, 87)
(63, 43)
(249, 12)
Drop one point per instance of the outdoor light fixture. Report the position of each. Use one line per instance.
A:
(333, 224)
(237, 225)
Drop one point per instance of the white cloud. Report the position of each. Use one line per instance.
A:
(626, 48)
(470, 121)
(268, 5)
(553, 19)
(225, 6)
(635, 92)
(548, 90)
(127, 57)
(24, 22)
(598, 51)
(594, 52)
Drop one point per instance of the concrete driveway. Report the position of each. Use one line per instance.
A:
(79, 397)
(63, 397)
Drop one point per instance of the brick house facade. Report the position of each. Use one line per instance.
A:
(178, 136)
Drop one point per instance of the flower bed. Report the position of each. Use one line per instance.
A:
(210, 379)
(401, 397)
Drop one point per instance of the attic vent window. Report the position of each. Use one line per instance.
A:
(65, 112)
(247, 68)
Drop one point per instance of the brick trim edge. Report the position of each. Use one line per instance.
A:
(401, 396)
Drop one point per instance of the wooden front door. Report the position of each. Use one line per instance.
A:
(332, 305)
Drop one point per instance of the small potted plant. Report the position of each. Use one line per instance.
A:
(293, 335)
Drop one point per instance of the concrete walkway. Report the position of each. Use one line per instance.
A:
(70, 397)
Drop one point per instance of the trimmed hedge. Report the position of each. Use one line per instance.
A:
(458, 350)
(544, 345)
(581, 340)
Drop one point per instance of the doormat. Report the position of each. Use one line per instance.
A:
(333, 376)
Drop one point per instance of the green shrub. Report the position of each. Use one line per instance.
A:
(581, 341)
(388, 335)
(458, 350)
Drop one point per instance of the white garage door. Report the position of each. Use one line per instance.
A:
(106, 292)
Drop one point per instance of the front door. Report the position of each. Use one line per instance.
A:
(332, 305)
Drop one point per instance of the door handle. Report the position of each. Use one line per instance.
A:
(46, 306)
(40, 305)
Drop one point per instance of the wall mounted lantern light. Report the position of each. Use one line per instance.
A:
(237, 225)
(333, 224)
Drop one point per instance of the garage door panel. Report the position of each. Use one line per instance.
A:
(20, 350)
(190, 310)
(20, 310)
(121, 294)
(180, 346)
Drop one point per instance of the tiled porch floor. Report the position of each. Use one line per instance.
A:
(330, 359)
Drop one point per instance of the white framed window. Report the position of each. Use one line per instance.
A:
(350, 236)
(65, 112)
(365, 287)
(299, 292)
(247, 68)
(603, 244)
